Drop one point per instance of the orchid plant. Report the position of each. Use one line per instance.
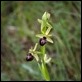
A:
(41, 57)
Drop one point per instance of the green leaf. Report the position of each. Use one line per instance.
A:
(30, 69)
(49, 40)
(40, 67)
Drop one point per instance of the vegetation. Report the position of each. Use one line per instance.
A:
(19, 26)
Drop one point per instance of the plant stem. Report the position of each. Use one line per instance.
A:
(43, 67)
(43, 50)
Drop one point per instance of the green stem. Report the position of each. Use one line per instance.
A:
(43, 67)
(43, 50)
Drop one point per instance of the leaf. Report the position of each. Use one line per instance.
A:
(30, 69)
(49, 40)
(40, 67)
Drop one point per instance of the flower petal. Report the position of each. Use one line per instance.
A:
(49, 35)
(49, 40)
(39, 20)
(48, 15)
(47, 59)
(35, 46)
(44, 16)
(48, 30)
(36, 57)
(40, 35)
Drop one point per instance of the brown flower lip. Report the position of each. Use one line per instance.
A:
(42, 41)
(29, 57)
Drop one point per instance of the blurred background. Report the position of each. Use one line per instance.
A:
(19, 26)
